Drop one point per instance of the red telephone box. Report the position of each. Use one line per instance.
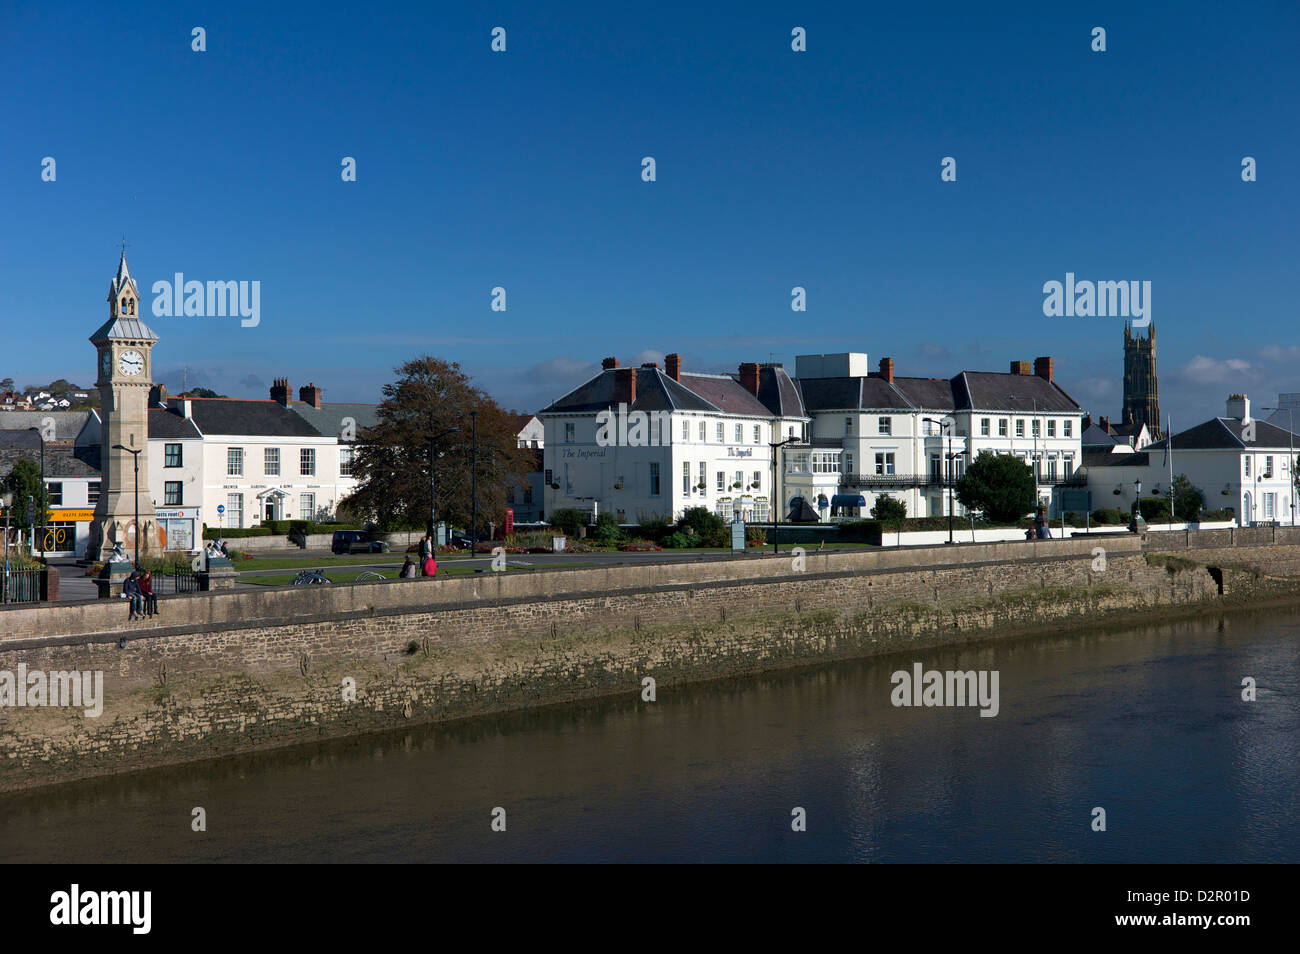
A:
(510, 521)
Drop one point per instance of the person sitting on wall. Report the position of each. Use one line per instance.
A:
(147, 594)
(131, 590)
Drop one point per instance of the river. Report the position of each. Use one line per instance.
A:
(1147, 723)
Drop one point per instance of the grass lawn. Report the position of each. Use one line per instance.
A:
(309, 563)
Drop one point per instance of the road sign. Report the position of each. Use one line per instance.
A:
(738, 536)
(31, 511)
(221, 508)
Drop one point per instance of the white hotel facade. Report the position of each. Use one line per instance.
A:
(859, 434)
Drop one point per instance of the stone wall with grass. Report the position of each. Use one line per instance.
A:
(224, 673)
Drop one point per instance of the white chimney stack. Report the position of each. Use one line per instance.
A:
(1239, 408)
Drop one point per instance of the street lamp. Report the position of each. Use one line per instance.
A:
(947, 429)
(1136, 525)
(433, 497)
(135, 461)
(43, 492)
(776, 500)
(473, 490)
(1290, 464)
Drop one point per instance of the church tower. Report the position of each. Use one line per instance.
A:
(1141, 396)
(124, 344)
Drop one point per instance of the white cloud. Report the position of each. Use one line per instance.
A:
(1280, 353)
(1203, 370)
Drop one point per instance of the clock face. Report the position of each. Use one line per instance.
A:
(130, 363)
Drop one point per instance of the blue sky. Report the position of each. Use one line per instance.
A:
(523, 169)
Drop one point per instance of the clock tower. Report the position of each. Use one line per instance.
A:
(125, 344)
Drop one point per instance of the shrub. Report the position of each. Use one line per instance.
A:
(654, 526)
(755, 536)
(679, 540)
(1207, 515)
(567, 520)
(233, 533)
(1154, 509)
(889, 511)
(702, 520)
(1107, 516)
(607, 532)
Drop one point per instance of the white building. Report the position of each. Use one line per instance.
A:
(908, 437)
(638, 442)
(1236, 461)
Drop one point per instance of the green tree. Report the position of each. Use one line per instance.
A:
(7, 384)
(24, 481)
(889, 511)
(392, 463)
(1189, 501)
(1000, 485)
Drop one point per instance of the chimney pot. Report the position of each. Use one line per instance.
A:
(280, 392)
(609, 364)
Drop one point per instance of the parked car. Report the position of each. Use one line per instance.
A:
(357, 541)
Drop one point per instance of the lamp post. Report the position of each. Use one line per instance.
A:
(473, 490)
(947, 430)
(1290, 463)
(43, 492)
(776, 500)
(135, 461)
(433, 497)
(1136, 525)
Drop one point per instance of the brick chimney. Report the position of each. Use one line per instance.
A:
(887, 369)
(312, 395)
(157, 395)
(609, 364)
(280, 392)
(650, 364)
(749, 377)
(1239, 408)
(1104, 423)
(1043, 367)
(625, 386)
(1019, 367)
(673, 366)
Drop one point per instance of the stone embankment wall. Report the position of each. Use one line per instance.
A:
(220, 673)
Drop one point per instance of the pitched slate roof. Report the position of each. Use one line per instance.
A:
(928, 393)
(1094, 436)
(1226, 432)
(328, 418)
(1019, 393)
(62, 459)
(834, 394)
(656, 391)
(725, 393)
(169, 425)
(237, 416)
(67, 424)
(778, 392)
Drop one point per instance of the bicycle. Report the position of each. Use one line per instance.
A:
(308, 577)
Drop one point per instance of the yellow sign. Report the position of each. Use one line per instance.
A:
(72, 516)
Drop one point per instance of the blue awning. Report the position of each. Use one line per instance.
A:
(848, 500)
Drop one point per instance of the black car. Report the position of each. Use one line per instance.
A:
(357, 541)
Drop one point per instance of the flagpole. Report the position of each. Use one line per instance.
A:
(1169, 438)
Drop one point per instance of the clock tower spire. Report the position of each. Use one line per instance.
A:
(125, 346)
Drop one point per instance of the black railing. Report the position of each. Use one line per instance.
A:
(891, 480)
(175, 582)
(20, 586)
